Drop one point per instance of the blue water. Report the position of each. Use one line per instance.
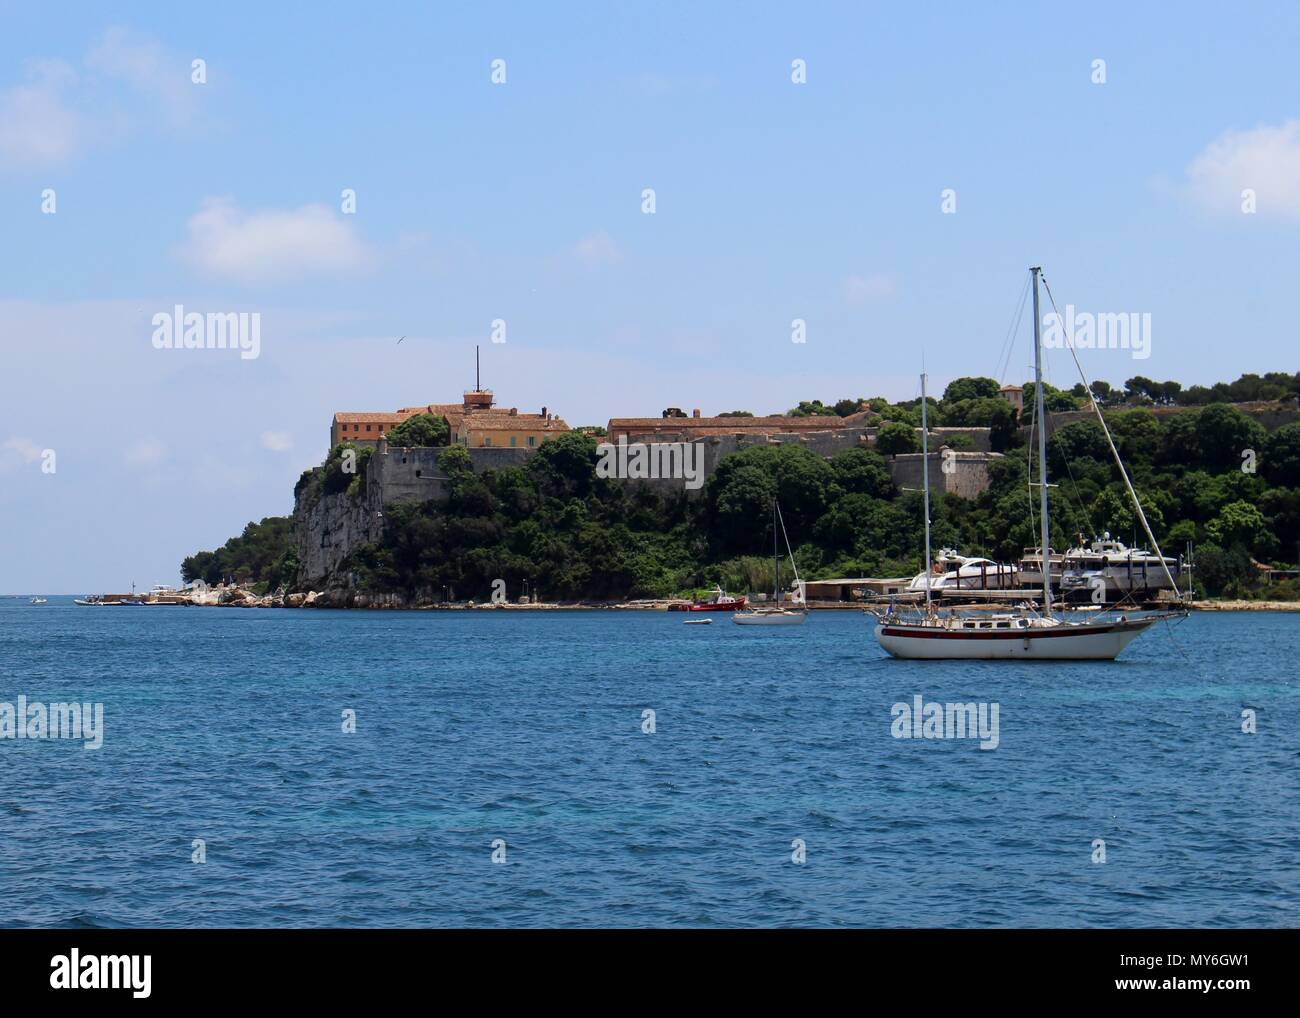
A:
(225, 725)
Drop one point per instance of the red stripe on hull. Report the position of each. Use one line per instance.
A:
(1003, 634)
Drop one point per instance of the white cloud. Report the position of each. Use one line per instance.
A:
(597, 248)
(144, 453)
(1265, 160)
(877, 286)
(21, 448)
(61, 110)
(38, 126)
(272, 244)
(280, 441)
(155, 74)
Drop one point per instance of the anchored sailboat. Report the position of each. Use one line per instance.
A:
(1030, 634)
(777, 616)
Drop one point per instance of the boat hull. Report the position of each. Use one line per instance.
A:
(717, 606)
(1102, 642)
(775, 619)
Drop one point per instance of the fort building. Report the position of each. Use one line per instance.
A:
(674, 426)
(476, 422)
(508, 429)
(1014, 395)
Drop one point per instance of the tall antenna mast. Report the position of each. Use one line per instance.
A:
(478, 386)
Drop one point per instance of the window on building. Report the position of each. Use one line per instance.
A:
(487, 440)
(513, 441)
(532, 441)
(367, 427)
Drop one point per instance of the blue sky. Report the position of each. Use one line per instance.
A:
(522, 201)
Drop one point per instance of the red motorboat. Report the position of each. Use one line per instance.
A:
(719, 602)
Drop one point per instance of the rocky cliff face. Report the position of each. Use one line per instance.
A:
(328, 531)
(330, 527)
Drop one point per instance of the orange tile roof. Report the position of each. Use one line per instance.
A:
(370, 418)
(726, 425)
(516, 422)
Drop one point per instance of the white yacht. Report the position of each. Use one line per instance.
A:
(1106, 570)
(952, 571)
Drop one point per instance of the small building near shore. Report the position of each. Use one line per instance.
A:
(853, 589)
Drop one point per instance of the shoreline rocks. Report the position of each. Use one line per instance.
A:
(342, 597)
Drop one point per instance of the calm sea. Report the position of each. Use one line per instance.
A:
(475, 729)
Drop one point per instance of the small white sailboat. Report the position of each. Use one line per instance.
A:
(1027, 635)
(777, 616)
(38, 600)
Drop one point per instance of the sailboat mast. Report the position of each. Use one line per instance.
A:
(1040, 418)
(925, 473)
(776, 561)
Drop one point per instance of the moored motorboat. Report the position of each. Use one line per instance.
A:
(719, 602)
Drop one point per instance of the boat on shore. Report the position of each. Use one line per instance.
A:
(1105, 570)
(952, 571)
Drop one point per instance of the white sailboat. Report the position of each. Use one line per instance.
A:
(777, 616)
(1015, 635)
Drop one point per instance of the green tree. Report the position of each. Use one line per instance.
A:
(1076, 441)
(1241, 524)
(566, 465)
(741, 504)
(421, 431)
(1223, 572)
(1281, 457)
(263, 556)
(862, 471)
(812, 408)
(455, 461)
(1224, 433)
(895, 437)
(962, 389)
(345, 463)
(1138, 435)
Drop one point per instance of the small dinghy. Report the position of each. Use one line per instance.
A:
(698, 622)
